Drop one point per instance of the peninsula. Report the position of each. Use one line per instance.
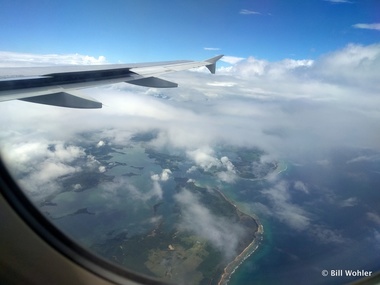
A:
(251, 248)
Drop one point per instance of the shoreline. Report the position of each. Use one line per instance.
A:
(251, 248)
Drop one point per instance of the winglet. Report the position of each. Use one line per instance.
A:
(212, 63)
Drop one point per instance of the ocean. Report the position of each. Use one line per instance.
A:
(339, 234)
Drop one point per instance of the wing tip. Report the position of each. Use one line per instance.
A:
(212, 63)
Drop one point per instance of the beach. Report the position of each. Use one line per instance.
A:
(251, 248)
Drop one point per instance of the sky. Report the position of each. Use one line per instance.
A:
(129, 31)
(299, 80)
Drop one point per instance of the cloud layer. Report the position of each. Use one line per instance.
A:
(292, 109)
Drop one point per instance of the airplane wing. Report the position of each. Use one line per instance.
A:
(57, 86)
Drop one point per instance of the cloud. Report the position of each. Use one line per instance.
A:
(222, 84)
(373, 26)
(156, 190)
(338, 1)
(204, 157)
(365, 158)
(284, 210)
(299, 185)
(211, 48)
(231, 59)
(164, 176)
(138, 194)
(295, 216)
(349, 202)
(77, 186)
(248, 12)
(39, 164)
(13, 59)
(222, 233)
(373, 217)
(102, 169)
(100, 144)
(276, 106)
(229, 174)
(355, 65)
(325, 235)
(29, 154)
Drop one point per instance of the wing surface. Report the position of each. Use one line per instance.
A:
(57, 85)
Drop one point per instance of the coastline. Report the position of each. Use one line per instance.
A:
(251, 248)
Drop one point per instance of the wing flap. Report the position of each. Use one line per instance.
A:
(65, 99)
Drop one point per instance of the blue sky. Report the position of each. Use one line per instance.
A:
(128, 31)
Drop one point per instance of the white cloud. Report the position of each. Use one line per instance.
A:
(291, 102)
(374, 26)
(192, 169)
(77, 186)
(13, 59)
(156, 190)
(349, 202)
(355, 65)
(248, 12)
(222, 233)
(284, 210)
(231, 59)
(365, 158)
(204, 157)
(374, 217)
(299, 185)
(28, 155)
(325, 235)
(100, 144)
(40, 164)
(102, 169)
(211, 48)
(339, 1)
(123, 186)
(229, 174)
(164, 176)
(221, 84)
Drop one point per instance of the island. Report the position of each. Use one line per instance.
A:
(180, 256)
(139, 223)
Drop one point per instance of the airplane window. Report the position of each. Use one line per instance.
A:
(266, 172)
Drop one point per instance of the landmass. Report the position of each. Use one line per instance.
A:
(147, 239)
(251, 248)
(181, 256)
